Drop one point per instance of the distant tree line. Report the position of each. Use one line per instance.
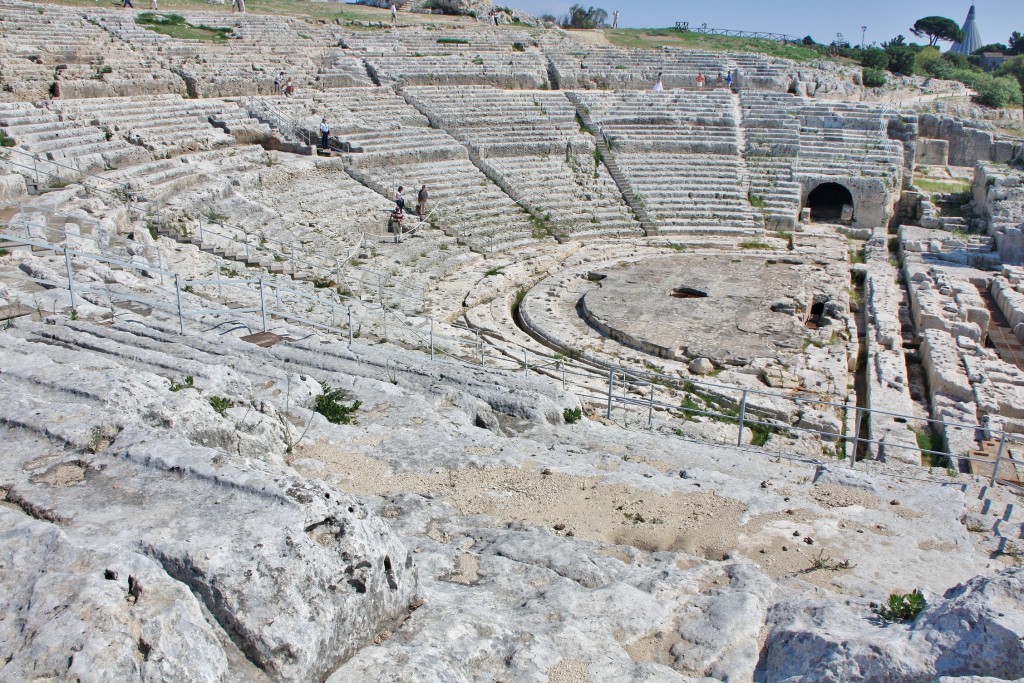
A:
(579, 17)
(1001, 88)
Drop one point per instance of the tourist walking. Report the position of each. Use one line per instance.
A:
(658, 87)
(394, 14)
(325, 132)
(277, 83)
(400, 199)
(127, 3)
(421, 201)
(289, 88)
(153, 5)
(700, 81)
(615, 19)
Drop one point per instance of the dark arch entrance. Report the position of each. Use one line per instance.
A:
(826, 202)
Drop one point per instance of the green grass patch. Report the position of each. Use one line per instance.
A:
(452, 41)
(754, 244)
(654, 39)
(572, 415)
(6, 140)
(175, 26)
(943, 186)
(756, 201)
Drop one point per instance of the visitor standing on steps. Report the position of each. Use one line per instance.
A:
(658, 87)
(400, 199)
(289, 88)
(394, 14)
(615, 19)
(700, 81)
(127, 3)
(421, 201)
(153, 5)
(277, 83)
(325, 131)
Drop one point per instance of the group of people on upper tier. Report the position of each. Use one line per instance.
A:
(721, 81)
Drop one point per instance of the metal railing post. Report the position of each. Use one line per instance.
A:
(743, 417)
(385, 309)
(71, 279)
(351, 332)
(856, 437)
(177, 296)
(431, 339)
(611, 390)
(999, 459)
(650, 409)
(35, 169)
(263, 306)
(480, 348)
(526, 364)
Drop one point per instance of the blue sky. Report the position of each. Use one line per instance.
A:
(819, 18)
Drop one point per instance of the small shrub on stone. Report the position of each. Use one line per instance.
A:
(903, 606)
(330, 405)
(572, 415)
(873, 78)
(221, 404)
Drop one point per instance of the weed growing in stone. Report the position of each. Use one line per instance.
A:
(823, 561)
(572, 415)
(903, 606)
(221, 404)
(329, 404)
(187, 383)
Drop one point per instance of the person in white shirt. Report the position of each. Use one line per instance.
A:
(394, 14)
(658, 87)
(325, 131)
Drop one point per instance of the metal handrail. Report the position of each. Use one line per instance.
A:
(764, 35)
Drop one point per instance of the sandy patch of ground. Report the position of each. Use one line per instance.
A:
(703, 525)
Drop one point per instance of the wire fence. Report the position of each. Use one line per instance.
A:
(758, 415)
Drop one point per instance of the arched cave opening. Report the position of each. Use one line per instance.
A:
(826, 202)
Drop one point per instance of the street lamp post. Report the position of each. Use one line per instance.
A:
(863, 32)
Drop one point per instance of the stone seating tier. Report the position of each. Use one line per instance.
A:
(513, 70)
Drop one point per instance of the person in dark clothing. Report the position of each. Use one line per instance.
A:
(421, 201)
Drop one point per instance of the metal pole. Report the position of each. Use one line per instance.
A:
(334, 321)
(177, 294)
(220, 291)
(650, 409)
(743, 417)
(856, 437)
(71, 279)
(526, 364)
(385, 309)
(563, 376)
(350, 331)
(431, 339)
(246, 234)
(480, 347)
(999, 459)
(611, 389)
(35, 169)
(263, 306)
